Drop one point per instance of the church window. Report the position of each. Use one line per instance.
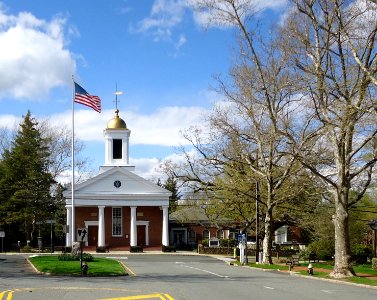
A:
(117, 149)
(117, 221)
(220, 234)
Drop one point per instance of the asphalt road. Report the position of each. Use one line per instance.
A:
(167, 276)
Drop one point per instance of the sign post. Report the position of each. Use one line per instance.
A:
(2, 235)
(51, 222)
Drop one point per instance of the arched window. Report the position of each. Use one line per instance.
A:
(205, 234)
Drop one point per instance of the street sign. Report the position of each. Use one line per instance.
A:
(2, 234)
(82, 234)
(239, 237)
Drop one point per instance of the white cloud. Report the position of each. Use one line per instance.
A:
(163, 127)
(9, 121)
(33, 56)
(181, 41)
(164, 17)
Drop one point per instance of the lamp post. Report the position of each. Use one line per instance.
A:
(373, 225)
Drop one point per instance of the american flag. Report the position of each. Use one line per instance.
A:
(83, 97)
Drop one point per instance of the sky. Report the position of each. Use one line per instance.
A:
(161, 54)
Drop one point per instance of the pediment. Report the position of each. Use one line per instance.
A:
(117, 182)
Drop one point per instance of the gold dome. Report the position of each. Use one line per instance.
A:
(116, 122)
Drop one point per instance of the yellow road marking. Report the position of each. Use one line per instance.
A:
(9, 297)
(139, 297)
(168, 297)
(127, 268)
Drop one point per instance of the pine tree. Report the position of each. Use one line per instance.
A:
(171, 185)
(25, 183)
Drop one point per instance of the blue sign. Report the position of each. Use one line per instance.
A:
(241, 237)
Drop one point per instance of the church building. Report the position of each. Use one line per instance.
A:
(117, 208)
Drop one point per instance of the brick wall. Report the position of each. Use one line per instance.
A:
(151, 214)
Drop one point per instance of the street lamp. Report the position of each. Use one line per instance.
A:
(373, 225)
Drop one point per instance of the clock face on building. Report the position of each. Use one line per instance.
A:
(117, 183)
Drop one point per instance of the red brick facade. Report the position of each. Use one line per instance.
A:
(144, 213)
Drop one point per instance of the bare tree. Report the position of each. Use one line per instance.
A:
(336, 136)
(248, 129)
(59, 140)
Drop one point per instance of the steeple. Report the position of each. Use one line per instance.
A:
(117, 143)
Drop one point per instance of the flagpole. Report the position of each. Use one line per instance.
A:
(73, 165)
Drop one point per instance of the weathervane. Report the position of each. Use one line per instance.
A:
(116, 96)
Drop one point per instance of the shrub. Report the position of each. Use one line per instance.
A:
(71, 257)
(101, 249)
(168, 248)
(87, 257)
(323, 249)
(134, 249)
(68, 257)
(205, 243)
(231, 243)
(361, 253)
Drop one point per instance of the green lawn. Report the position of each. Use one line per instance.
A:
(98, 267)
(359, 269)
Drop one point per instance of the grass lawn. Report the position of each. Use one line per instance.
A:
(359, 269)
(98, 267)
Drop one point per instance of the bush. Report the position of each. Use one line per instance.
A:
(101, 249)
(135, 249)
(87, 257)
(205, 243)
(70, 257)
(323, 249)
(168, 248)
(231, 243)
(361, 253)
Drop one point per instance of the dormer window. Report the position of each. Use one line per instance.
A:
(117, 149)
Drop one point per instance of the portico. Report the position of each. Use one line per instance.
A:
(117, 207)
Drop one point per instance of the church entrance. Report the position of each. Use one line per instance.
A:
(92, 235)
(141, 235)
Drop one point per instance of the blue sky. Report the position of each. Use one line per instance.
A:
(159, 53)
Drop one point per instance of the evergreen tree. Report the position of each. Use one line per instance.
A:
(171, 185)
(25, 198)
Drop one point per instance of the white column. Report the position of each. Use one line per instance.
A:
(165, 227)
(101, 226)
(133, 237)
(68, 240)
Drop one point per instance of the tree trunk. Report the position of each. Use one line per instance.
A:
(343, 263)
(267, 257)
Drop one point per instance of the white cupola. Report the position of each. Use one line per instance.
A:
(117, 137)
